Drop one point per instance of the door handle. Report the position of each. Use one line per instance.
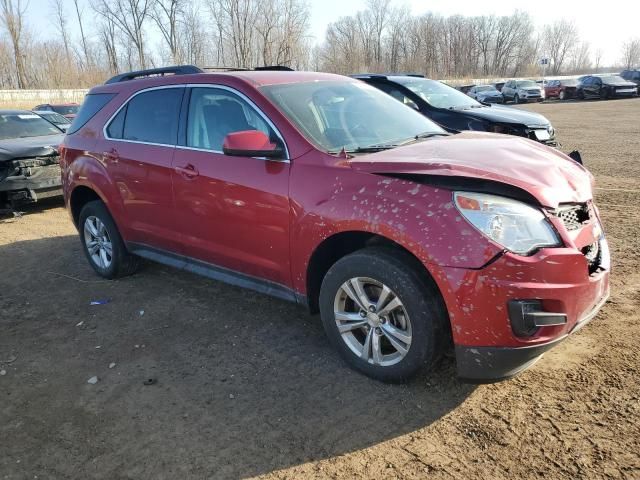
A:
(111, 156)
(188, 171)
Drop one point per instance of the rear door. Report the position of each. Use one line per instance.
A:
(138, 149)
(233, 211)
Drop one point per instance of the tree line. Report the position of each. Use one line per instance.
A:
(90, 40)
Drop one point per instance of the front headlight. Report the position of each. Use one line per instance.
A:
(514, 225)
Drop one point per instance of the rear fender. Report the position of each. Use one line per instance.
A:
(89, 171)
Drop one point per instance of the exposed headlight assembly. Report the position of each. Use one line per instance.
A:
(513, 225)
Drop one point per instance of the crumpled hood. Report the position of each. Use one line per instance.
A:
(29, 147)
(545, 173)
(502, 114)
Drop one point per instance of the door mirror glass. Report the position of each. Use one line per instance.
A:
(250, 143)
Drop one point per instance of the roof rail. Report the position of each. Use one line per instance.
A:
(175, 70)
(226, 69)
(386, 75)
(277, 68)
(368, 75)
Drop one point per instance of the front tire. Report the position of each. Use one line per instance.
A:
(562, 95)
(102, 244)
(382, 316)
(516, 99)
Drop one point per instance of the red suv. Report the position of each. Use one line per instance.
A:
(323, 190)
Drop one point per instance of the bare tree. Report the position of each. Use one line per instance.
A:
(560, 38)
(108, 36)
(11, 15)
(61, 25)
(631, 53)
(581, 58)
(597, 58)
(83, 38)
(129, 16)
(193, 39)
(236, 21)
(167, 14)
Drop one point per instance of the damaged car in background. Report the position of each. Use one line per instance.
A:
(29, 159)
(455, 111)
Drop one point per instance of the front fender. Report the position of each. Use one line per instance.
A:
(420, 218)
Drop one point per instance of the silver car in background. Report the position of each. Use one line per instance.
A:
(522, 91)
(485, 94)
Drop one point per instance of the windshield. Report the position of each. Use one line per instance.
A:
(348, 114)
(485, 88)
(22, 125)
(526, 84)
(572, 82)
(437, 94)
(613, 79)
(65, 109)
(54, 117)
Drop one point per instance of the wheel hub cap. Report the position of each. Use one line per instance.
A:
(98, 242)
(372, 321)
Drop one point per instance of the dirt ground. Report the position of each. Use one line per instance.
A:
(248, 386)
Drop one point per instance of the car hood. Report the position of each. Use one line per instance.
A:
(544, 173)
(501, 114)
(29, 147)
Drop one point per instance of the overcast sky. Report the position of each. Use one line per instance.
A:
(604, 25)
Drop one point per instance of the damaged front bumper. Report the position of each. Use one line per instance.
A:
(28, 180)
(493, 364)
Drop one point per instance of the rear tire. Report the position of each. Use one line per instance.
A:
(406, 329)
(516, 99)
(604, 94)
(102, 244)
(562, 95)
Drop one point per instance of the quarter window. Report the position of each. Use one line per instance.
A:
(214, 113)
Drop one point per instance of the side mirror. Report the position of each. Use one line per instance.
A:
(251, 143)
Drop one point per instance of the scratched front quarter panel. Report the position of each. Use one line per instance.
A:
(420, 218)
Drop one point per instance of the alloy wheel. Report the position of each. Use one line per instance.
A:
(372, 321)
(98, 242)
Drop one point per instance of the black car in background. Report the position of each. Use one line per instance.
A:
(605, 86)
(632, 76)
(29, 159)
(455, 111)
(62, 122)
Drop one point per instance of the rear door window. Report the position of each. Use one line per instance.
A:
(151, 117)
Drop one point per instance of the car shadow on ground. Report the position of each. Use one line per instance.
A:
(8, 215)
(242, 384)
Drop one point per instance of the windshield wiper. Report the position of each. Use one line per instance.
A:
(388, 146)
(368, 149)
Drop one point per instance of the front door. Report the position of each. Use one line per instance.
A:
(233, 211)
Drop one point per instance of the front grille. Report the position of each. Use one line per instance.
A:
(574, 216)
(533, 92)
